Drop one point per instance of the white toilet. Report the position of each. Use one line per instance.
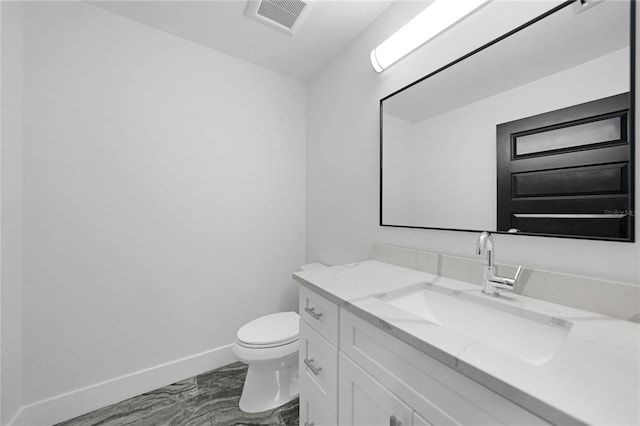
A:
(269, 345)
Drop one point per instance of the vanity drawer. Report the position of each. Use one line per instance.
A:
(320, 314)
(438, 394)
(318, 378)
(318, 359)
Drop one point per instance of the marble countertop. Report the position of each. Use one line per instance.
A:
(593, 378)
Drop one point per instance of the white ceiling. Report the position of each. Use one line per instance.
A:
(328, 28)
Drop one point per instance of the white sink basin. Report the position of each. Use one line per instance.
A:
(527, 339)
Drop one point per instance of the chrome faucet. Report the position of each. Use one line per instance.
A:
(490, 281)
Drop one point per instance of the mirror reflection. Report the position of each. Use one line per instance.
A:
(529, 135)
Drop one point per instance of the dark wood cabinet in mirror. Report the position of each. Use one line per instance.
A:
(532, 133)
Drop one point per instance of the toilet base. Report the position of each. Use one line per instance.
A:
(270, 384)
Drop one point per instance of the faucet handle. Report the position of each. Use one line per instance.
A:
(518, 271)
(512, 281)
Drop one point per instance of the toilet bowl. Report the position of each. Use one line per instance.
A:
(269, 345)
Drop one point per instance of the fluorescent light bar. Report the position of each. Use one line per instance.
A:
(436, 18)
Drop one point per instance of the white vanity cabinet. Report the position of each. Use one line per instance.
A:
(357, 374)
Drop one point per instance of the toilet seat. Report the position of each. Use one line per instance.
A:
(269, 331)
(265, 346)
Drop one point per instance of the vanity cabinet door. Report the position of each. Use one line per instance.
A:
(365, 402)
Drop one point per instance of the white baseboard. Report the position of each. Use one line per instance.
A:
(75, 403)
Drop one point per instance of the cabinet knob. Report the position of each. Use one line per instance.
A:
(309, 363)
(393, 421)
(313, 313)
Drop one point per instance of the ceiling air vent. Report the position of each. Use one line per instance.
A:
(285, 15)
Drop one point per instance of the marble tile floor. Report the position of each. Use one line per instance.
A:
(210, 399)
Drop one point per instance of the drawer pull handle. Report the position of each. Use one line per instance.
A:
(313, 368)
(309, 424)
(393, 421)
(313, 313)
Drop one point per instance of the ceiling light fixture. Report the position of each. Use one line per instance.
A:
(436, 18)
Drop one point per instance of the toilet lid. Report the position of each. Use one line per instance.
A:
(270, 330)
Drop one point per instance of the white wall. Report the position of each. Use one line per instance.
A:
(11, 212)
(163, 196)
(343, 155)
